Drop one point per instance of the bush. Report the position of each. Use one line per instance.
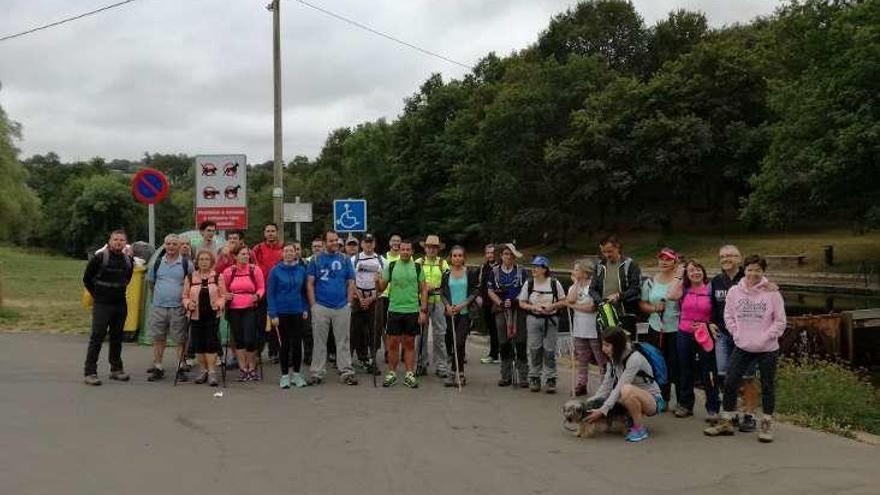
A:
(828, 396)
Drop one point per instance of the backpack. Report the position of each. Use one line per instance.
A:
(659, 372)
(105, 261)
(184, 261)
(418, 274)
(606, 316)
(530, 288)
(250, 274)
(496, 273)
(189, 277)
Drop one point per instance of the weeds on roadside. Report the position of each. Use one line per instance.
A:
(828, 396)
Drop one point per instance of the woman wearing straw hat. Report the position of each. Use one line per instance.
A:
(433, 266)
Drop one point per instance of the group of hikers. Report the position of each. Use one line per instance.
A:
(346, 303)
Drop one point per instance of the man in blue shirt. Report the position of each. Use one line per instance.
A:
(330, 289)
(167, 315)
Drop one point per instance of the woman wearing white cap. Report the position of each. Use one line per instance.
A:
(542, 297)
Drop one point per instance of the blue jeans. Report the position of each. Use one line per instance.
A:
(691, 360)
(740, 361)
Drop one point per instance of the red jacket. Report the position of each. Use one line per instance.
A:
(266, 256)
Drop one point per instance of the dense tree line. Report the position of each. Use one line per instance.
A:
(603, 123)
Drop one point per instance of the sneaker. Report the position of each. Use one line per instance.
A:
(410, 380)
(390, 379)
(551, 386)
(156, 375)
(284, 382)
(152, 369)
(186, 367)
(202, 378)
(299, 381)
(255, 376)
(242, 376)
(723, 428)
(119, 376)
(212, 379)
(450, 380)
(580, 390)
(712, 418)
(349, 379)
(489, 360)
(182, 376)
(765, 432)
(748, 424)
(92, 380)
(442, 373)
(637, 434)
(535, 384)
(314, 380)
(682, 412)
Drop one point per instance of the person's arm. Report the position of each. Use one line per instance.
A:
(184, 296)
(272, 295)
(633, 284)
(605, 387)
(523, 298)
(645, 304)
(423, 300)
(730, 311)
(779, 318)
(310, 290)
(596, 286)
(630, 371)
(560, 297)
(352, 289)
(261, 282)
(445, 292)
(473, 287)
(586, 307)
(220, 305)
(90, 272)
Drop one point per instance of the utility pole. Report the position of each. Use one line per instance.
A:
(278, 187)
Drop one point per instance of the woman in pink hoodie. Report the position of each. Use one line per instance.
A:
(755, 316)
(245, 287)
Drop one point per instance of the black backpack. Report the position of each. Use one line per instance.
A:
(530, 288)
(105, 261)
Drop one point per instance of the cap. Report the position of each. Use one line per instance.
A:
(667, 254)
(352, 240)
(541, 261)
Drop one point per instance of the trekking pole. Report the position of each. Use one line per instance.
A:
(225, 356)
(371, 342)
(455, 354)
(182, 351)
(573, 362)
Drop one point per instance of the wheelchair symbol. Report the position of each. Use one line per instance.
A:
(347, 221)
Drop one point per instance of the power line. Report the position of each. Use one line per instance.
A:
(386, 36)
(69, 19)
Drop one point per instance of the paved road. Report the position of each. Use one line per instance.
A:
(59, 436)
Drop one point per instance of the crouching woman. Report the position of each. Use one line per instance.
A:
(628, 387)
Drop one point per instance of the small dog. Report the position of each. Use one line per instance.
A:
(575, 411)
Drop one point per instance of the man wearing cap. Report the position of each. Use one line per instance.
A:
(505, 285)
(433, 267)
(367, 264)
(617, 280)
(351, 246)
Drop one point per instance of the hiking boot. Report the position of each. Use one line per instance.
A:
(92, 380)
(410, 380)
(504, 382)
(202, 378)
(682, 412)
(535, 384)
(450, 380)
(765, 431)
(315, 380)
(580, 390)
(637, 434)
(442, 373)
(182, 376)
(156, 375)
(284, 382)
(119, 376)
(390, 379)
(299, 381)
(212, 379)
(748, 424)
(524, 382)
(723, 428)
(551, 386)
(349, 379)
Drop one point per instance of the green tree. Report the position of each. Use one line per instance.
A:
(19, 206)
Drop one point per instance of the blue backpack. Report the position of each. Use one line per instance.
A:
(655, 359)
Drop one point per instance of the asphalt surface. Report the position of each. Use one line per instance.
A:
(62, 437)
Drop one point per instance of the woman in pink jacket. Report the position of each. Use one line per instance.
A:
(245, 286)
(755, 316)
(204, 296)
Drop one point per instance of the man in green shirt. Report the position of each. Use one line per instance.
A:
(407, 313)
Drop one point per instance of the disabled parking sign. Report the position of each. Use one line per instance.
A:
(350, 215)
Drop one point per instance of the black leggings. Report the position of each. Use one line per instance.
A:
(243, 324)
(462, 327)
(292, 329)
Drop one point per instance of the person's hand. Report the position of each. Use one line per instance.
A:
(256, 298)
(305, 315)
(613, 298)
(595, 415)
(506, 303)
(449, 309)
(660, 307)
(713, 329)
(423, 318)
(479, 301)
(274, 322)
(229, 296)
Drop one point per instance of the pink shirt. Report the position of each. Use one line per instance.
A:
(243, 288)
(696, 306)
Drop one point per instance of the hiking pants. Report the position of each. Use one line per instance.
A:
(437, 316)
(462, 327)
(363, 322)
(542, 334)
(106, 318)
(489, 320)
(323, 319)
(692, 359)
(740, 361)
(512, 349)
(291, 329)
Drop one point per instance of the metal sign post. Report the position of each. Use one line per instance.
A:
(151, 221)
(297, 213)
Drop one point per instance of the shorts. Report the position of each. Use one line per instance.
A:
(403, 324)
(165, 322)
(723, 349)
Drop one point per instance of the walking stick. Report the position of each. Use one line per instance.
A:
(573, 362)
(455, 354)
(182, 352)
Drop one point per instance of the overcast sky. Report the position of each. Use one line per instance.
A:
(195, 76)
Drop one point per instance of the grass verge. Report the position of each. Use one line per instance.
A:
(827, 396)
